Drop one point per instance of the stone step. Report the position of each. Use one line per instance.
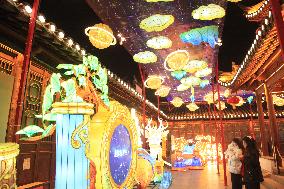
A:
(269, 183)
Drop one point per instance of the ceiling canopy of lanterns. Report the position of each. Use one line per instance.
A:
(175, 42)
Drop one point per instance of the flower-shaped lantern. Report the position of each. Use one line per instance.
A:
(192, 107)
(176, 60)
(209, 97)
(154, 81)
(163, 91)
(177, 102)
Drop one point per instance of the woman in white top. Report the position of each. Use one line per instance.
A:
(234, 154)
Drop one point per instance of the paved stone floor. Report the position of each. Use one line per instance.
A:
(200, 179)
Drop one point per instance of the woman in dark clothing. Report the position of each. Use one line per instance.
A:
(252, 170)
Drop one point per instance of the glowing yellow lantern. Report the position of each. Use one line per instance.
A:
(223, 105)
(191, 81)
(241, 101)
(209, 12)
(160, 42)
(278, 101)
(204, 72)
(176, 60)
(101, 36)
(195, 65)
(156, 22)
(192, 107)
(163, 91)
(145, 57)
(154, 81)
(177, 102)
(209, 97)
(227, 93)
(234, 1)
(182, 87)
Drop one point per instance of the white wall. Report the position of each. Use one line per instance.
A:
(6, 87)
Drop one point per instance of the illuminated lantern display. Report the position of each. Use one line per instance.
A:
(233, 101)
(8, 154)
(278, 101)
(182, 87)
(234, 1)
(250, 99)
(101, 36)
(176, 60)
(204, 72)
(154, 137)
(156, 22)
(191, 81)
(195, 65)
(138, 128)
(227, 93)
(209, 97)
(72, 121)
(160, 42)
(145, 168)
(241, 102)
(209, 12)
(177, 102)
(145, 57)
(223, 105)
(204, 83)
(154, 82)
(178, 74)
(206, 34)
(192, 107)
(113, 147)
(163, 91)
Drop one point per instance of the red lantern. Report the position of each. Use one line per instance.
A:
(233, 101)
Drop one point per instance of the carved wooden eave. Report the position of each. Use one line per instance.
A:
(258, 12)
(263, 53)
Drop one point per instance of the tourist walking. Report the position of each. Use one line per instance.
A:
(252, 170)
(234, 154)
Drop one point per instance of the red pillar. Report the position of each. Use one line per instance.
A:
(25, 69)
(251, 129)
(216, 131)
(279, 22)
(221, 125)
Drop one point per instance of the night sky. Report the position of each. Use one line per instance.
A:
(73, 16)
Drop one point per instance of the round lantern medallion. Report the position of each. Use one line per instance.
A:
(120, 155)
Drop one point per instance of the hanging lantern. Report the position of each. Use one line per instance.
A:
(145, 57)
(177, 102)
(195, 65)
(101, 36)
(163, 91)
(209, 12)
(178, 74)
(176, 60)
(182, 87)
(241, 102)
(154, 81)
(223, 105)
(191, 81)
(204, 83)
(278, 101)
(250, 99)
(233, 101)
(160, 42)
(192, 107)
(227, 93)
(204, 72)
(209, 97)
(156, 22)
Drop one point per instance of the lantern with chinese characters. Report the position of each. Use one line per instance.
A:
(233, 101)
(176, 60)
(101, 36)
(154, 81)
